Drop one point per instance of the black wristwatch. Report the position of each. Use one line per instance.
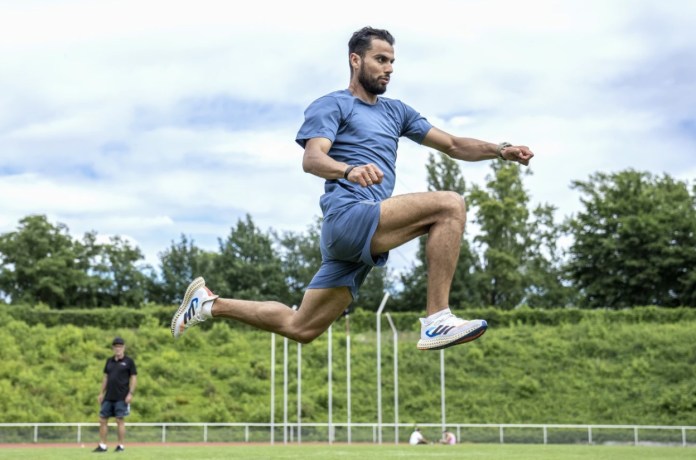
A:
(501, 147)
(348, 170)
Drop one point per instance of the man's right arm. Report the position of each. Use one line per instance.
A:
(316, 161)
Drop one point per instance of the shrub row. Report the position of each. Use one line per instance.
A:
(361, 319)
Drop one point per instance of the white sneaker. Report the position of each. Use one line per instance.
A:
(191, 311)
(448, 330)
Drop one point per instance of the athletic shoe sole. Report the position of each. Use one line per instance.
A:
(446, 342)
(192, 288)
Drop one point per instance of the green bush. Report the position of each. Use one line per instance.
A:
(533, 366)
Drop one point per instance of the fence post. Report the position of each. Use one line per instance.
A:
(545, 435)
(635, 435)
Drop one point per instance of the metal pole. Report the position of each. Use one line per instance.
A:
(272, 387)
(442, 387)
(348, 375)
(379, 368)
(299, 393)
(285, 390)
(329, 359)
(285, 386)
(396, 378)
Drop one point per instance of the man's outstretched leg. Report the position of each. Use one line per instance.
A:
(319, 309)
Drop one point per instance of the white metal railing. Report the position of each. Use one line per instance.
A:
(344, 432)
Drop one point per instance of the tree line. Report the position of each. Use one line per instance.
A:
(632, 243)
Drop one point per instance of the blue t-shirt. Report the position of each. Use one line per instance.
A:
(360, 133)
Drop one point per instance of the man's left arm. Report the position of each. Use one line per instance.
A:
(131, 388)
(468, 149)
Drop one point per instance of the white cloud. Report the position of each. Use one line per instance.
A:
(152, 119)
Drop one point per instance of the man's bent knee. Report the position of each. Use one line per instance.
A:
(454, 205)
(306, 337)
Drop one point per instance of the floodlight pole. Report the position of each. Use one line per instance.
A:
(379, 367)
(396, 378)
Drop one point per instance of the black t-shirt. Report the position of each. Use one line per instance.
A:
(118, 377)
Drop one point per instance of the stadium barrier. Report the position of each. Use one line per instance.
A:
(37, 433)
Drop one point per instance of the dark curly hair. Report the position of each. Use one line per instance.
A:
(361, 40)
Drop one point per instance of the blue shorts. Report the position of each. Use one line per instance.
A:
(345, 247)
(118, 409)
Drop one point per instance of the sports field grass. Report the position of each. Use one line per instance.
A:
(362, 452)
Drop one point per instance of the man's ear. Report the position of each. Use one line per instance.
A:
(354, 60)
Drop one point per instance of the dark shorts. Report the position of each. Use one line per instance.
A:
(345, 248)
(116, 409)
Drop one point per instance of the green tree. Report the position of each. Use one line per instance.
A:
(547, 286)
(635, 241)
(123, 274)
(248, 265)
(519, 257)
(502, 215)
(180, 263)
(301, 257)
(40, 262)
(93, 292)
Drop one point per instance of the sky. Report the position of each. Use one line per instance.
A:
(156, 119)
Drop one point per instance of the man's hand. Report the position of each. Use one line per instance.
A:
(100, 398)
(518, 153)
(366, 175)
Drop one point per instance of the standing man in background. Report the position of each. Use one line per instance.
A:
(117, 390)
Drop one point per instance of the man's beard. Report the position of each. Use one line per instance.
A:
(371, 85)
